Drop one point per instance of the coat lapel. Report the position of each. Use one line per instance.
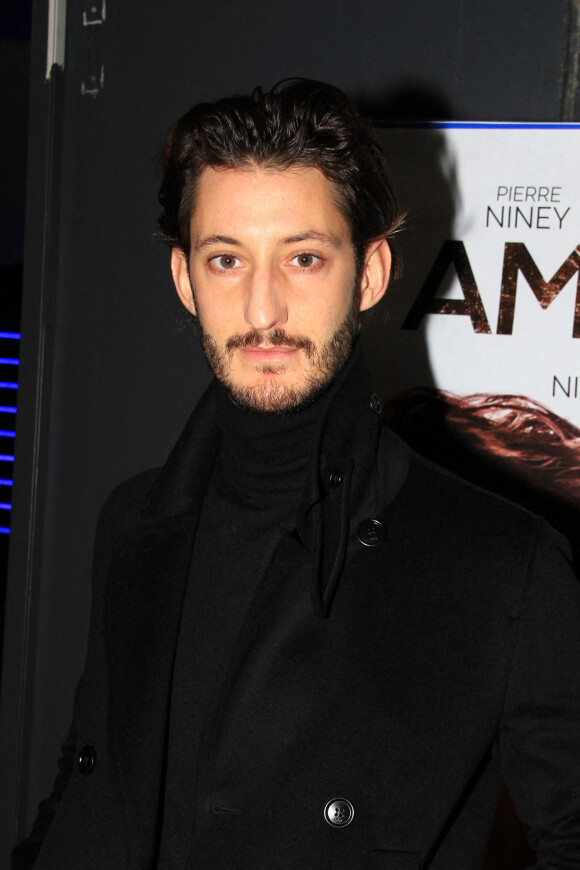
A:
(146, 586)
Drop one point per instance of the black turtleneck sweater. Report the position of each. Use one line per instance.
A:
(252, 500)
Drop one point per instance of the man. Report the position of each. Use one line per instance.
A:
(309, 648)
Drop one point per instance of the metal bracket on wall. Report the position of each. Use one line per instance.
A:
(94, 14)
(93, 17)
(93, 83)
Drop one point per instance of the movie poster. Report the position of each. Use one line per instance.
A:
(477, 348)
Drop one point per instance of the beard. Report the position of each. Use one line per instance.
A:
(270, 396)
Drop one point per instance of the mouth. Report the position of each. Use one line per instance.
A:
(268, 354)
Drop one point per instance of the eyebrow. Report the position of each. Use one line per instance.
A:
(202, 244)
(313, 236)
(306, 236)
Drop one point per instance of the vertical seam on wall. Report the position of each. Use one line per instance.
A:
(570, 69)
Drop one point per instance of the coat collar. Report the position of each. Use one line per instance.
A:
(183, 480)
(345, 445)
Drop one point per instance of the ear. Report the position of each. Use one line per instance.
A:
(375, 274)
(181, 279)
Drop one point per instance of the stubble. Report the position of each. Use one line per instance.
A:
(271, 395)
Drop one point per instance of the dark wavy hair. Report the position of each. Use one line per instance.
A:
(514, 433)
(299, 122)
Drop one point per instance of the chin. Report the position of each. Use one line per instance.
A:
(274, 395)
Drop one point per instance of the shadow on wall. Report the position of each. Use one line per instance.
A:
(507, 444)
(423, 176)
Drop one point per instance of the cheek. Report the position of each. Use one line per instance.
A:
(331, 292)
(213, 310)
(333, 308)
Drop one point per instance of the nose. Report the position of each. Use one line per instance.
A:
(264, 304)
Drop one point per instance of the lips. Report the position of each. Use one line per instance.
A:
(269, 354)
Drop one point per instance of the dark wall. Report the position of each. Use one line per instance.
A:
(109, 370)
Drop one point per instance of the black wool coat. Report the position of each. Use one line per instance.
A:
(413, 643)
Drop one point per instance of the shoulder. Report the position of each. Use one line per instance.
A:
(464, 528)
(131, 494)
(441, 491)
(123, 508)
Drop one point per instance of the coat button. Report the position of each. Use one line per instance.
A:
(371, 532)
(335, 479)
(375, 403)
(87, 760)
(339, 812)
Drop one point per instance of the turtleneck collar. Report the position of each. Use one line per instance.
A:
(263, 458)
(266, 458)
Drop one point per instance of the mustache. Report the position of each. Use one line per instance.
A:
(274, 338)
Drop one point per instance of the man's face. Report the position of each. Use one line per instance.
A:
(275, 290)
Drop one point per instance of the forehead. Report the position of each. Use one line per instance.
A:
(265, 198)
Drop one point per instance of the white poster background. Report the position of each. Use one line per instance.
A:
(448, 177)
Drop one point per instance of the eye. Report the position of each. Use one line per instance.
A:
(224, 262)
(306, 261)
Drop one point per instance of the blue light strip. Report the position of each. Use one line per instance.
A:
(477, 125)
(7, 409)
